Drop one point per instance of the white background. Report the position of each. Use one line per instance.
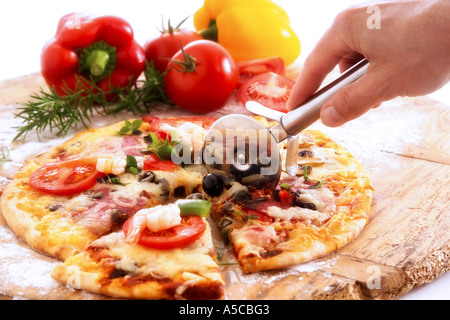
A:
(26, 25)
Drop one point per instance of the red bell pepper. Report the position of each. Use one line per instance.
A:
(99, 49)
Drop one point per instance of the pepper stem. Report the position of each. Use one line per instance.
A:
(97, 61)
(211, 32)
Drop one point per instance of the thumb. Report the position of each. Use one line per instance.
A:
(355, 99)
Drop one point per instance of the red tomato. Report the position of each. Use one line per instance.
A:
(190, 229)
(65, 178)
(153, 162)
(206, 81)
(250, 68)
(161, 49)
(269, 89)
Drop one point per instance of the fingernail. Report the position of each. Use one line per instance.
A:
(331, 117)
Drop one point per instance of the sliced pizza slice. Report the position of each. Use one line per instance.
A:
(161, 253)
(89, 185)
(305, 217)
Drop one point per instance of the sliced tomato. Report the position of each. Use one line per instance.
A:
(250, 68)
(65, 178)
(190, 229)
(153, 162)
(270, 89)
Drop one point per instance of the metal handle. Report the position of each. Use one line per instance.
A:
(309, 111)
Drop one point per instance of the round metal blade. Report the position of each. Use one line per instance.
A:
(243, 150)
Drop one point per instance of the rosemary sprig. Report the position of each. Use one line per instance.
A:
(60, 113)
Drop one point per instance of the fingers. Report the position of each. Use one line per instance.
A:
(322, 60)
(356, 99)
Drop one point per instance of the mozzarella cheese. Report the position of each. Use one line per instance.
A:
(194, 258)
(311, 216)
(187, 132)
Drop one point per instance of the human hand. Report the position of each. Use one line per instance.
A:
(409, 55)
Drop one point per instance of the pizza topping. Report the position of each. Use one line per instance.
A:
(262, 235)
(146, 176)
(187, 132)
(155, 219)
(297, 213)
(154, 162)
(322, 198)
(114, 165)
(213, 184)
(132, 145)
(196, 207)
(65, 177)
(186, 232)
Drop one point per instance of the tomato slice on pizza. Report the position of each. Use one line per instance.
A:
(65, 178)
(153, 162)
(190, 229)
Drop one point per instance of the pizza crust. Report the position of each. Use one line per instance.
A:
(185, 273)
(352, 198)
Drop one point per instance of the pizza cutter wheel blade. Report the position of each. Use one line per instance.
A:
(242, 149)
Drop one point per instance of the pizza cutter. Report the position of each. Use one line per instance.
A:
(242, 149)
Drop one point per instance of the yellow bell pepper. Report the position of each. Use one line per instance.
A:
(248, 29)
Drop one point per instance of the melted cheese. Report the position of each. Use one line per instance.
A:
(310, 216)
(192, 259)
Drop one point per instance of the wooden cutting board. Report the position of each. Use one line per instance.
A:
(404, 145)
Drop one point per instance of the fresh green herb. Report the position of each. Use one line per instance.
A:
(132, 127)
(162, 147)
(132, 165)
(111, 178)
(246, 216)
(305, 173)
(317, 185)
(116, 180)
(49, 110)
(227, 263)
(285, 186)
(5, 155)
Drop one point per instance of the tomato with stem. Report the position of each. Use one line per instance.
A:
(159, 50)
(202, 77)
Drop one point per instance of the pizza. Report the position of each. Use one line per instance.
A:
(127, 220)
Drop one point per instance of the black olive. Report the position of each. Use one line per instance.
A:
(213, 184)
(299, 203)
